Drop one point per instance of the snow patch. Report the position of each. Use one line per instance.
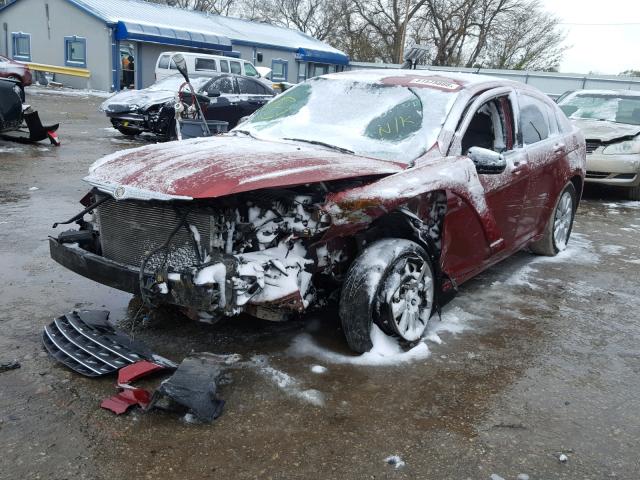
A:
(611, 249)
(286, 382)
(318, 369)
(395, 461)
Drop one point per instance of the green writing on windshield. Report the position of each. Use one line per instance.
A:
(397, 123)
(284, 105)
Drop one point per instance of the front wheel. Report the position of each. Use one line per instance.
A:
(129, 132)
(392, 284)
(558, 229)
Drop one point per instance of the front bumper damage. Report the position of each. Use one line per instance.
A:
(267, 284)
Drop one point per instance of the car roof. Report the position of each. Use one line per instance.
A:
(626, 93)
(422, 78)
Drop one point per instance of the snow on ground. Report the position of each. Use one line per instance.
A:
(11, 149)
(611, 249)
(623, 204)
(286, 382)
(579, 251)
(386, 350)
(65, 91)
(395, 461)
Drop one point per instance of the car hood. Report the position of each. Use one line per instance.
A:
(605, 131)
(223, 165)
(121, 102)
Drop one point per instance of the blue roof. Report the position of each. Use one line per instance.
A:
(140, 20)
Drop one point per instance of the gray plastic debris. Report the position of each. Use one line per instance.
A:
(4, 367)
(563, 458)
(194, 386)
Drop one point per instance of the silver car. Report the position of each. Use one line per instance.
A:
(610, 122)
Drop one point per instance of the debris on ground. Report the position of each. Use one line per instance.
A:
(395, 461)
(522, 476)
(495, 476)
(194, 386)
(563, 458)
(126, 398)
(5, 367)
(87, 343)
(319, 369)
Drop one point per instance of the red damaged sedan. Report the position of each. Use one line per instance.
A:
(385, 189)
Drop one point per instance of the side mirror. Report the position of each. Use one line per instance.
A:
(487, 161)
(181, 65)
(213, 93)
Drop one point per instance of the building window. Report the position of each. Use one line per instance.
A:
(302, 72)
(21, 46)
(279, 70)
(75, 51)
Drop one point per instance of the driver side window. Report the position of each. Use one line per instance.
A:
(491, 127)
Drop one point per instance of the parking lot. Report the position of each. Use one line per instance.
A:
(534, 359)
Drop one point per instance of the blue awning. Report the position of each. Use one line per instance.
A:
(171, 36)
(319, 56)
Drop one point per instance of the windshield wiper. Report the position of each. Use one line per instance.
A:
(322, 144)
(246, 132)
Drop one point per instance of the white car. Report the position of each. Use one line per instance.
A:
(610, 122)
(203, 63)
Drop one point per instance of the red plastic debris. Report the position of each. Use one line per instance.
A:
(137, 370)
(122, 401)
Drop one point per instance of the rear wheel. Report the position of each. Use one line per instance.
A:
(391, 283)
(558, 229)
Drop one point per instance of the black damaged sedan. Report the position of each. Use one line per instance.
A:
(224, 97)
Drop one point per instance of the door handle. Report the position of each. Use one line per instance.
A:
(559, 148)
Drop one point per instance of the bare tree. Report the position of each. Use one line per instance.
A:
(317, 18)
(390, 20)
(528, 38)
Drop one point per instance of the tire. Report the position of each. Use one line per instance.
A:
(387, 278)
(559, 225)
(633, 193)
(130, 132)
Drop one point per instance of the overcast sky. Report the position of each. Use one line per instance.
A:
(607, 49)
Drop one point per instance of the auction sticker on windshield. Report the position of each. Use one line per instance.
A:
(438, 83)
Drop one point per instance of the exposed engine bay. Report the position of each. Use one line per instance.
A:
(258, 252)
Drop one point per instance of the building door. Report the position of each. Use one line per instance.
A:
(128, 65)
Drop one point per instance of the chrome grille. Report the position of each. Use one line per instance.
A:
(591, 174)
(592, 145)
(130, 230)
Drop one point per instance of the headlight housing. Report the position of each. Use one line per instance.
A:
(628, 147)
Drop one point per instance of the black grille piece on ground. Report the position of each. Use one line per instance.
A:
(86, 342)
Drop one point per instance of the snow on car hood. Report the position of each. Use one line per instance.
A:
(139, 98)
(218, 166)
(605, 131)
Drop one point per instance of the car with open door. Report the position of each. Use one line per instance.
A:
(610, 122)
(224, 97)
(386, 189)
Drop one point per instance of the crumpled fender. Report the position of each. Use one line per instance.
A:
(352, 210)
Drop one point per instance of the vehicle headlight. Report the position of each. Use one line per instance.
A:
(623, 148)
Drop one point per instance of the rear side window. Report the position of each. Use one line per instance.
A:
(534, 120)
(206, 64)
(223, 84)
(236, 68)
(163, 62)
(224, 66)
(250, 71)
(251, 87)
